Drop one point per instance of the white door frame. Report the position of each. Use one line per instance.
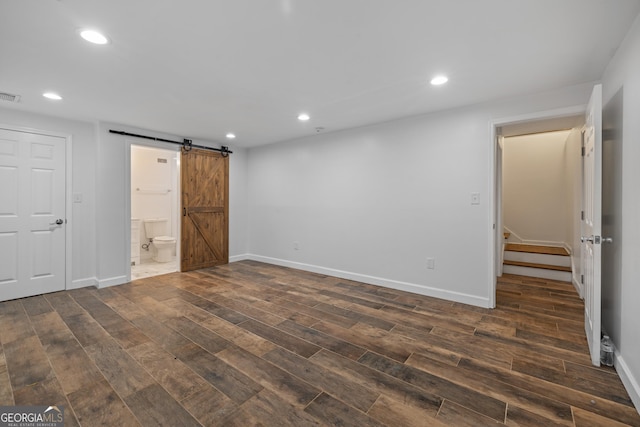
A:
(68, 194)
(494, 180)
(128, 142)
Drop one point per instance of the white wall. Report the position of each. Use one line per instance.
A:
(624, 73)
(238, 205)
(83, 182)
(535, 188)
(374, 203)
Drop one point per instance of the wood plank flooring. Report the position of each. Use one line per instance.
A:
(255, 344)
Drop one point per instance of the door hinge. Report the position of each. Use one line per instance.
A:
(582, 279)
(582, 215)
(583, 151)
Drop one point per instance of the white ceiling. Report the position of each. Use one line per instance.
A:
(202, 68)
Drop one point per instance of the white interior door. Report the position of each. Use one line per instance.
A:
(592, 222)
(32, 214)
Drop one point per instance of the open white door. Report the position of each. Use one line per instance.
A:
(592, 221)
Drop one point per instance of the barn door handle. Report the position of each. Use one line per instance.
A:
(184, 211)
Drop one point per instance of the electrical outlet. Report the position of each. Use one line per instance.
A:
(296, 246)
(475, 198)
(77, 197)
(431, 263)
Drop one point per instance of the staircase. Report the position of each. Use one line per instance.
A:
(545, 262)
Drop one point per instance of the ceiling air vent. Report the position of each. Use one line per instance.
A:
(9, 97)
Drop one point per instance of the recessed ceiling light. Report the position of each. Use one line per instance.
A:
(93, 36)
(52, 95)
(231, 136)
(439, 80)
(303, 117)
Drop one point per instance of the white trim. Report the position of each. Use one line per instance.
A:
(522, 241)
(541, 115)
(128, 142)
(68, 193)
(513, 234)
(127, 208)
(492, 280)
(628, 380)
(577, 284)
(69, 213)
(236, 258)
(378, 281)
(83, 283)
(112, 281)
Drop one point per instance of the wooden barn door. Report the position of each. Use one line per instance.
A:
(205, 209)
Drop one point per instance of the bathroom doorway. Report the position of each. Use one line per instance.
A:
(155, 198)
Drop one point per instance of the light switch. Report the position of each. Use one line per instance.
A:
(475, 198)
(77, 197)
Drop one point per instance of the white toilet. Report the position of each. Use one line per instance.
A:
(163, 246)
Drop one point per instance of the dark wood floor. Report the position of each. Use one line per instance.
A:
(254, 344)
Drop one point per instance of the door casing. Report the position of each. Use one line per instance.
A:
(156, 144)
(495, 235)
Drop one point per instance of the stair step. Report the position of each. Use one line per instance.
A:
(563, 276)
(536, 249)
(541, 266)
(535, 258)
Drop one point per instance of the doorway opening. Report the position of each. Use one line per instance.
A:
(520, 132)
(155, 201)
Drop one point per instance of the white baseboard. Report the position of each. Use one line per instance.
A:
(236, 258)
(577, 285)
(83, 283)
(630, 382)
(379, 281)
(112, 281)
(575, 279)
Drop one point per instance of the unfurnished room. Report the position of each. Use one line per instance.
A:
(319, 213)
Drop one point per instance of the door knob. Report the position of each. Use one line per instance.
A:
(596, 239)
(58, 221)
